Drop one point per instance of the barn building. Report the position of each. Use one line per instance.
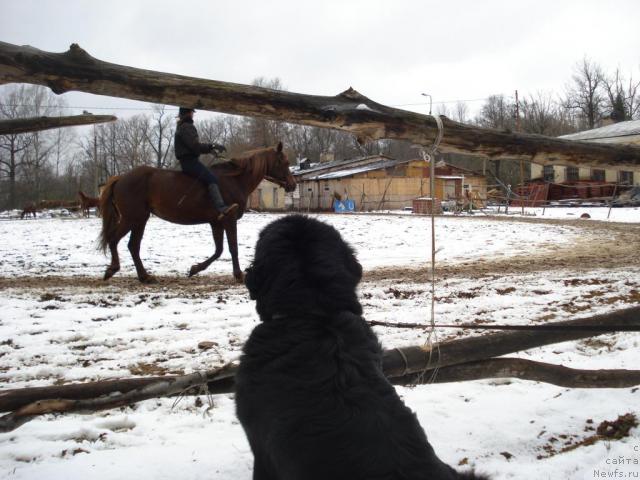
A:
(556, 182)
(379, 182)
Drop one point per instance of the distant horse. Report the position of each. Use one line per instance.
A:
(127, 201)
(87, 202)
(28, 209)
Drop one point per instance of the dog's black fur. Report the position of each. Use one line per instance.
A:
(310, 391)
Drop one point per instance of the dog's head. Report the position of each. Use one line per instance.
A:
(303, 265)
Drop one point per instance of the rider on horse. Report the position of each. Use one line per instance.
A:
(188, 148)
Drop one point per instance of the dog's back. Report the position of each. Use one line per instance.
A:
(310, 391)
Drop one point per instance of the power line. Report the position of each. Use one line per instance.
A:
(442, 102)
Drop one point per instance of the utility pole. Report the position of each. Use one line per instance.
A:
(96, 181)
(521, 161)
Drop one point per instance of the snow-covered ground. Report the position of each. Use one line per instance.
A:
(624, 214)
(67, 246)
(66, 331)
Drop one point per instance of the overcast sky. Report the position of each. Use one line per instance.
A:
(390, 51)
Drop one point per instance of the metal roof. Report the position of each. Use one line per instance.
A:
(339, 164)
(614, 133)
(358, 169)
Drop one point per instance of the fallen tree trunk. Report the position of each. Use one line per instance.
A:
(349, 111)
(14, 399)
(162, 387)
(36, 124)
(408, 360)
(525, 370)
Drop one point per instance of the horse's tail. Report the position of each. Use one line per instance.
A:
(110, 214)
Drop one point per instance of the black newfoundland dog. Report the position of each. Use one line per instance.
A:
(310, 392)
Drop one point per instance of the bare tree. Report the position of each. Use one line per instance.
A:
(497, 111)
(461, 112)
(160, 134)
(585, 94)
(26, 155)
(623, 98)
(543, 115)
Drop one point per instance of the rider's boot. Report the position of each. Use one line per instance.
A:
(218, 202)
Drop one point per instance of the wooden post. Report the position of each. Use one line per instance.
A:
(613, 196)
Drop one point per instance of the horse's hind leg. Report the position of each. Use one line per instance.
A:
(230, 226)
(218, 236)
(134, 247)
(114, 267)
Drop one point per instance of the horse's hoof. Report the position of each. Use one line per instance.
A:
(110, 272)
(239, 276)
(149, 279)
(193, 270)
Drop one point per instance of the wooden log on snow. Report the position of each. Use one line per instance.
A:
(36, 124)
(14, 399)
(76, 70)
(408, 360)
(525, 370)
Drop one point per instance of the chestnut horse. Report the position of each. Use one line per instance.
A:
(127, 201)
(28, 209)
(87, 202)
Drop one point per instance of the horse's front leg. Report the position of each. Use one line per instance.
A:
(218, 236)
(230, 226)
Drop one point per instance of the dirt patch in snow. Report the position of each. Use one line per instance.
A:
(603, 245)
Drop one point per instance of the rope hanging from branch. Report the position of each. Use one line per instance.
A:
(432, 337)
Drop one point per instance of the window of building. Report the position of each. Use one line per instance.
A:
(548, 173)
(573, 174)
(625, 177)
(597, 175)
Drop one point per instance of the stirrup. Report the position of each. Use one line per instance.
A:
(230, 208)
(227, 210)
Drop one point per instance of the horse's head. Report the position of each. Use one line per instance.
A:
(278, 170)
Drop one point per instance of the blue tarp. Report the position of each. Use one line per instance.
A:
(342, 206)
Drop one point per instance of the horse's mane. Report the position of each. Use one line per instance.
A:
(239, 164)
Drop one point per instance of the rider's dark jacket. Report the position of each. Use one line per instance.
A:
(186, 142)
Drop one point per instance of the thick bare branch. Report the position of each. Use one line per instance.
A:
(160, 387)
(525, 370)
(36, 124)
(400, 362)
(349, 111)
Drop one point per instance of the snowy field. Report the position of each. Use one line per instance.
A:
(625, 214)
(59, 324)
(67, 246)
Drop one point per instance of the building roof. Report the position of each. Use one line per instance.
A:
(621, 132)
(340, 164)
(358, 169)
(379, 162)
